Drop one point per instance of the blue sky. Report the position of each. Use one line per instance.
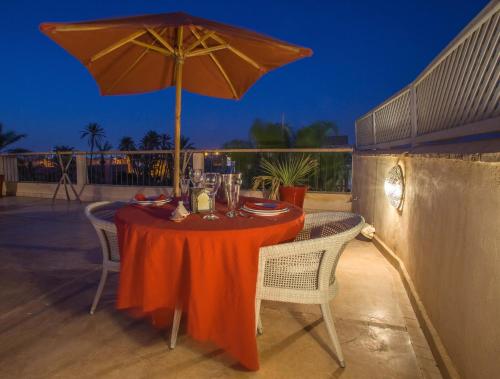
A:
(364, 51)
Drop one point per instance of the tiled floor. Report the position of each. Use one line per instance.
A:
(49, 268)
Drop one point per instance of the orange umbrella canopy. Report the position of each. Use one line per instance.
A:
(148, 53)
(139, 54)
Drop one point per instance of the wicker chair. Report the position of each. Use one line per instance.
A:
(101, 215)
(303, 271)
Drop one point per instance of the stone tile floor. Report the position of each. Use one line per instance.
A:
(49, 269)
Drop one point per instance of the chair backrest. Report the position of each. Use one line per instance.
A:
(325, 236)
(101, 215)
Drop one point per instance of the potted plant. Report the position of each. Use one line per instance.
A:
(286, 177)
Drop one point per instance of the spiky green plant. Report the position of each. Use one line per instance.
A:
(291, 171)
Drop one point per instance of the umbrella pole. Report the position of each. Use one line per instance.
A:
(179, 62)
(177, 133)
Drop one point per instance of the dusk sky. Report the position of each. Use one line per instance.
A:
(364, 51)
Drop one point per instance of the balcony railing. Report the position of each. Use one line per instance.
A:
(457, 95)
(155, 167)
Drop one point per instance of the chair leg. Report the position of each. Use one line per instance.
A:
(259, 326)
(175, 327)
(100, 287)
(258, 321)
(330, 326)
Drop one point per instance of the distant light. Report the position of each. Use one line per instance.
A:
(206, 154)
(394, 186)
(216, 153)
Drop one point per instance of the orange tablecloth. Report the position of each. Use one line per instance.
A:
(209, 267)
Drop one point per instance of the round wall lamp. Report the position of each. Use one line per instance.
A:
(394, 186)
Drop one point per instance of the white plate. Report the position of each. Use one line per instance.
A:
(258, 212)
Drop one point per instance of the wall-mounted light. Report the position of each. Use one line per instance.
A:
(394, 186)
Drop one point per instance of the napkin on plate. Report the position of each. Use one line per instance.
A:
(141, 197)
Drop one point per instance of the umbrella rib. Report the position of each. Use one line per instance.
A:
(161, 40)
(117, 45)
(78, 28)
(240, 54)
(199, 41)
(206, 51)
(131, 67)
(154, 48)
(218, 64)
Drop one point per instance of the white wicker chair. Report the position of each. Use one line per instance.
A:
(303, 271)
(101, 215)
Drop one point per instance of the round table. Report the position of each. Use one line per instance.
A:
(208, 268)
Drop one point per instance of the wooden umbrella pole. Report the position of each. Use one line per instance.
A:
(179, 61)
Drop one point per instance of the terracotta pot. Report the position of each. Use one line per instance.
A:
(293, 195)
(1, 185)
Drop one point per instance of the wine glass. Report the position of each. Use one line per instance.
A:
(212, 184)
(185, 191)
(197, 177)
(232, 183)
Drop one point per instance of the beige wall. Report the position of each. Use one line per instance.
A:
(448, 236)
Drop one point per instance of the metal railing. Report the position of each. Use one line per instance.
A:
(457, 95)
(41, 167)
(155, 167)
(133, 168)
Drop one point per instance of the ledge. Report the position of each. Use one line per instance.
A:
(439, 352)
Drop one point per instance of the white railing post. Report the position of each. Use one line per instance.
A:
(107, 170)
(356, 134)
(11, 174)
(81, 169)
(413, 113)
(2, 165)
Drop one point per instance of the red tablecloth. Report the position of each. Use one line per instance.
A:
(208, 267)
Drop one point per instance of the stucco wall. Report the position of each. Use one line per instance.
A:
(448, 236)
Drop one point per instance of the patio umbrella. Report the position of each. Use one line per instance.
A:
(148, 53)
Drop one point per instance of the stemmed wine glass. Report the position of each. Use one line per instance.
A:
(197, 177)
(212, 183)
(185, 191)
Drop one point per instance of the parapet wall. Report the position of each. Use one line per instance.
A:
(448, 237)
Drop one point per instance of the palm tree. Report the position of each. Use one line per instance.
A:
(127, 144)
(151, 141)
(270, 135)
(94, 134)
(9, 137)
(316, 134)
(58, 148)
(64, 158)
(186, 143)
(165, 143)
(106, 146)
